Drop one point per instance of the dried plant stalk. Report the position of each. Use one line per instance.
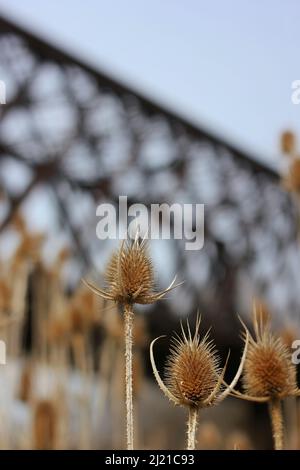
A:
(275, 410)
(45, 426)
(191, 428)
(128, 320)
(130, 280)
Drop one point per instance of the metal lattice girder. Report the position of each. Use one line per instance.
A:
(92, 139)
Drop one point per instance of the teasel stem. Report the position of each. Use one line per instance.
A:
(128, 321)
(275, 410)
(191, 428)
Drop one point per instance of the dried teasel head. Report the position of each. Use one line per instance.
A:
(193, 375)
(288, 142)
(192, 368)
(268, 372)
(129, 275)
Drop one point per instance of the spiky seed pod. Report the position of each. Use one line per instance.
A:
(192, 369)
(288, 142)
(268, 370)
(193, 377)
(129, 276)
(269, 374)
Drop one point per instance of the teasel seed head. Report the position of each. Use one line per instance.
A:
(268, 372)
(129, 275)
(193, 375)
(288, 142)
(192, 368)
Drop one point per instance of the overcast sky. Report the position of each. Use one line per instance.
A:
(227, 65)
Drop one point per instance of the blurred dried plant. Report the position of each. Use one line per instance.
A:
(269, 374)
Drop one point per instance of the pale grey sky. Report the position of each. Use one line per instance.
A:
(227, 65)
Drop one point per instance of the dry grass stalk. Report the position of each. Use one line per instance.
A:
(128, 331)
(191, 428)
(45, 425)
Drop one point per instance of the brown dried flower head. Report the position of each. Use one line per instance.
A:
(192, 368)
(193, 376)
(288, 142)
(129, 275)
(268, 371)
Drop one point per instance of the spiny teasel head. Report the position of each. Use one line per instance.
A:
(288, 142)
(268, 372)
(193, 375)
(192, 368)
(129, 275)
